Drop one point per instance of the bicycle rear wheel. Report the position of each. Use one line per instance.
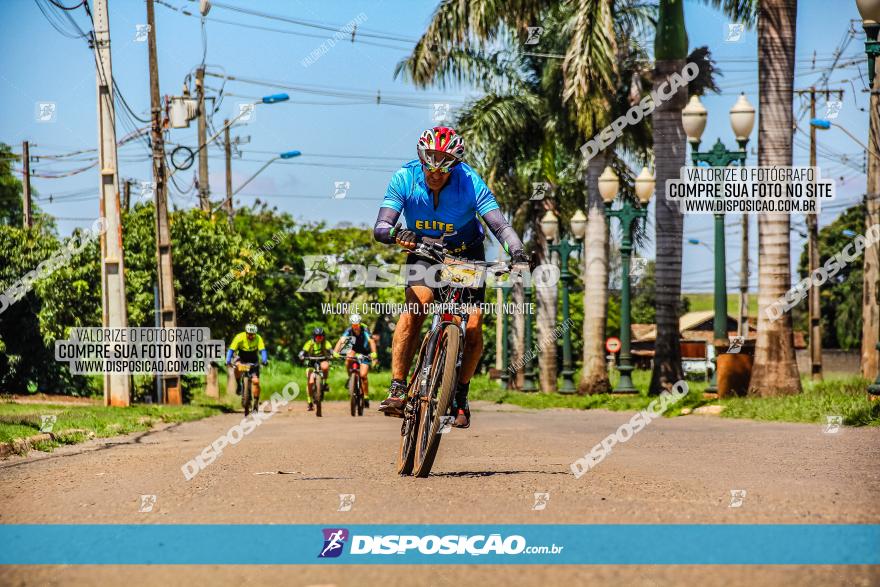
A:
(440, 391)
(319, 394)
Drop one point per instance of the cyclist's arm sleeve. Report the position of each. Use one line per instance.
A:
(229, 353)
(264, 355)
(383, 230)
(503, 231)
(392, 206)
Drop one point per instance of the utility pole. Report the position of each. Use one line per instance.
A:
(812, 221)
(165, 271)
(230, 211)
(204, 190)
(26, 184)
(871, 263)
(126, 195)
(117, 386)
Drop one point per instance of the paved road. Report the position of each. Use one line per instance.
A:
(678, 470)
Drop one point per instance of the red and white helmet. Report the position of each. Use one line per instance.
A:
(439, 144)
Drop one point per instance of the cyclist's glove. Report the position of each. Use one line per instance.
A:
(407, 238)
(374, 356)
(302, 355)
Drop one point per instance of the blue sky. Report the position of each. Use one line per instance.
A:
(351, 138)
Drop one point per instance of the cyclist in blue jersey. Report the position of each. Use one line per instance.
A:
(441, 198)
(358, 340)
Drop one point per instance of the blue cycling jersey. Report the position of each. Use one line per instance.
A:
(455, 218)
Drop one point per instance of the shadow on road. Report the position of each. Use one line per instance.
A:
(491, 473)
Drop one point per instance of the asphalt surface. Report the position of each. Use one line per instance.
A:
(293, 468)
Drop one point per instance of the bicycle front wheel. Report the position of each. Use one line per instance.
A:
(433, 408)
(246, 394)
(353, 393)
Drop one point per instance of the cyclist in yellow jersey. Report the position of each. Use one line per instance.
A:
(317, 346)
(247, 344)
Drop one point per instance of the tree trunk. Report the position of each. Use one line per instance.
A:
(545, 299)
(594, 374)
(871, 268)
(670, 149)
(517, 336)
(775, 368)
(546, 324)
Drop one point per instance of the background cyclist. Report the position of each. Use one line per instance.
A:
(317, 346)
(361, 342)
(441, 198)
(248, 344)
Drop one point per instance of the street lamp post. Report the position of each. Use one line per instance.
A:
(870, 13)
(505, 343)
(285, 155)
(626, 214)
(742, 120)
(528, 374)
(550, 228)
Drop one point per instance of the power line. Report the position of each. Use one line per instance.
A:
(312, 24)
(274, 30)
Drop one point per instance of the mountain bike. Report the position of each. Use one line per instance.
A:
(355, 393)
(248, 371)
(315, 366)
(434, 379)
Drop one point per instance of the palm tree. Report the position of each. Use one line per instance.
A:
(670, 148)
(775, 368)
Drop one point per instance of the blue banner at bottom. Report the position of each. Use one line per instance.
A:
(519, 544)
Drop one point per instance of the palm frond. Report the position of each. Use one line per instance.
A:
(744, 11)
(589, 67)
(705, 80)
(493, 71)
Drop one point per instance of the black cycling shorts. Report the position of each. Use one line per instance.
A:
(471, 295)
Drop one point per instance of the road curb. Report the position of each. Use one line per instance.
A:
(23, 445)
